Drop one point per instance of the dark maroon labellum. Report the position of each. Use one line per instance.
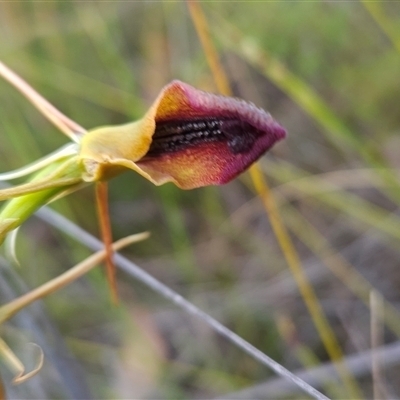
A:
(173, 136)
(240, 135)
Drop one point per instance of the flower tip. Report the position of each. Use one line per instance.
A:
(206, 139)
(278, 131)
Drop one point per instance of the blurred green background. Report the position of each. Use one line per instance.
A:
(329, 73)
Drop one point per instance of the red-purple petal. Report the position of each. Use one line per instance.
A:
(205, 139)
(187, 136)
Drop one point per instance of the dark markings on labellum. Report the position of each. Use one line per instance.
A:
(173, 136)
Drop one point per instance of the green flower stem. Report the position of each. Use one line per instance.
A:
(56, 178)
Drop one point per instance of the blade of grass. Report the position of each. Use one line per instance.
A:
(15, 364)
(69, 376)
(178, 233)
(203, 32)
(43, 162)
(33, 187)
(325, 331)
(11, 308)
(303, 353)
(329, 194)
(337, 180)
(360, 365)
(336, 263)
(377, 332)
(321, 323)
(377, 13)
(306, 232)
(72, 230)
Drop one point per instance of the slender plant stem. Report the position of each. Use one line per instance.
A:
(377, 332)
(387, 26)
(68, 150)
(322, 325)
(106, 234)
(34, 187)
(203, 32)
(77, 233)
(16, 365)
(8, 310)
(69, 127)
(52, 181)
(306, 290)
(360, 364)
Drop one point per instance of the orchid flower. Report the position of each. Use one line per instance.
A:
(188, 137)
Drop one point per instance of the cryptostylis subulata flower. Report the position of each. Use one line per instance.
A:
(188, 137)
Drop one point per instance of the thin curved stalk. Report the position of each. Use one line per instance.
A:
(66, 125)
(77, 233)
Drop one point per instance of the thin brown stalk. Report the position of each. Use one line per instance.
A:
(321, 323)
(8, 310)
(105, 228)
(66, 125)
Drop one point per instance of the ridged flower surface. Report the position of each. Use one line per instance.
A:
(189, 137)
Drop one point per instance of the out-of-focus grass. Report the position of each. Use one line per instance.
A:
(384, 19)
(102, 63)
